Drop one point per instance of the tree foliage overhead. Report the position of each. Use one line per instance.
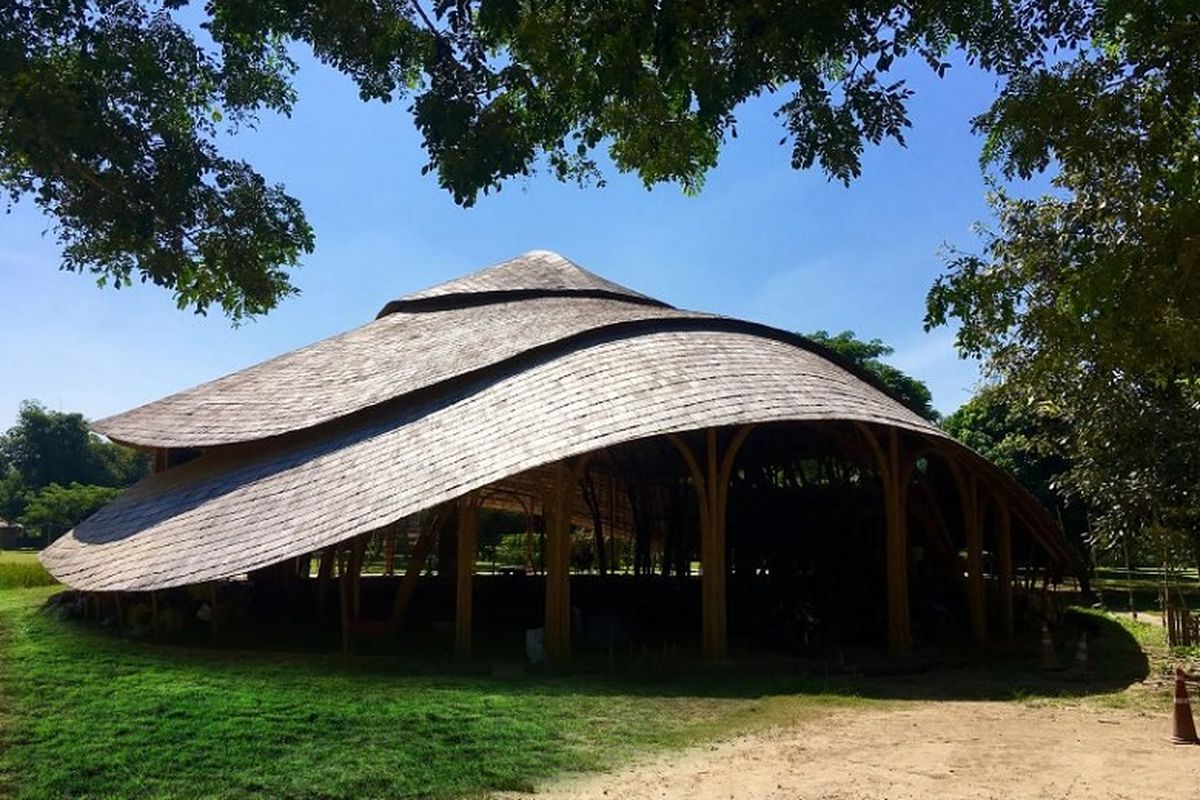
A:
(112, 108)
(1086, 301)
(108, 116)
(1105, 270)
(867, 355)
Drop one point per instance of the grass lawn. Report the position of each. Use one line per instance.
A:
(87, 713)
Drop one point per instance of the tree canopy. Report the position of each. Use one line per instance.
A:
(1085, 301)
(867, 355)
(56, 509)
(54, 471)
(47, 447)
(113, 108)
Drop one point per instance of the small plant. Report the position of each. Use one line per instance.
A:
(22, 570)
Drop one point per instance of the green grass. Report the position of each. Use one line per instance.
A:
(86, 713)
(21, 569)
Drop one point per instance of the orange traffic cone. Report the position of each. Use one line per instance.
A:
(1049, 657)
(1185, 728)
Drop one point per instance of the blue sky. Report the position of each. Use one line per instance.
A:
(762, 241)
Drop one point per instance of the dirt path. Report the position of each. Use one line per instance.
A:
(923, 750)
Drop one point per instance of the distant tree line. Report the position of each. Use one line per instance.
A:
(54, 472)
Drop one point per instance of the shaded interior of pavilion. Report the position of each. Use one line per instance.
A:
(798, 540)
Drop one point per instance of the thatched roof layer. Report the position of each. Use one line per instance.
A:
(420, 407)
(388, 358)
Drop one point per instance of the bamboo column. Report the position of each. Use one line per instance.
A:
(344, 608)
(418, 555)
(713, 603)
(1005, 567)
(893, 478)
(712, 492)
(357, 553)
(324, 574)
(899, 621)
(975, 588)
(468, 526)
(557, 516)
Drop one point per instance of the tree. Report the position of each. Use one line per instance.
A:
(113, 108)
(56, 509)
(913, 392)
(13, 495)
(1024, 440)
(47, 447)
(1086, 300)
(1010, 435)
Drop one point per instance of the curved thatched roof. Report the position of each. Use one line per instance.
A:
(497, 374)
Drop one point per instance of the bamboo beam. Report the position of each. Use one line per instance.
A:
(557, 516)
(1005, 567)
(468, 526)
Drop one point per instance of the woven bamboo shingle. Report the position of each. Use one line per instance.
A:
(422, 406)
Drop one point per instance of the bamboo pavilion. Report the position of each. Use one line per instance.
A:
(740, 466)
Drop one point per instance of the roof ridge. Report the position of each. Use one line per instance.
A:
(532, 273)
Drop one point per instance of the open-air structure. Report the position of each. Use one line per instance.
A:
(724, 455)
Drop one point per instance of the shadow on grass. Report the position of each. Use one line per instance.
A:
(1014, 671)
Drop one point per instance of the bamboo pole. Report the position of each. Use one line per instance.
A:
(354, 567)
(324, 573)
(899, 621)
(468, 526)
(975, 589)
(389, 550)
(416, 563)
(344, 607)
(1005, 568)
(558, 566)
(712, 491)
(893, 476)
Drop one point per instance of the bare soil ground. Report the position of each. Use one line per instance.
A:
(927, 749)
